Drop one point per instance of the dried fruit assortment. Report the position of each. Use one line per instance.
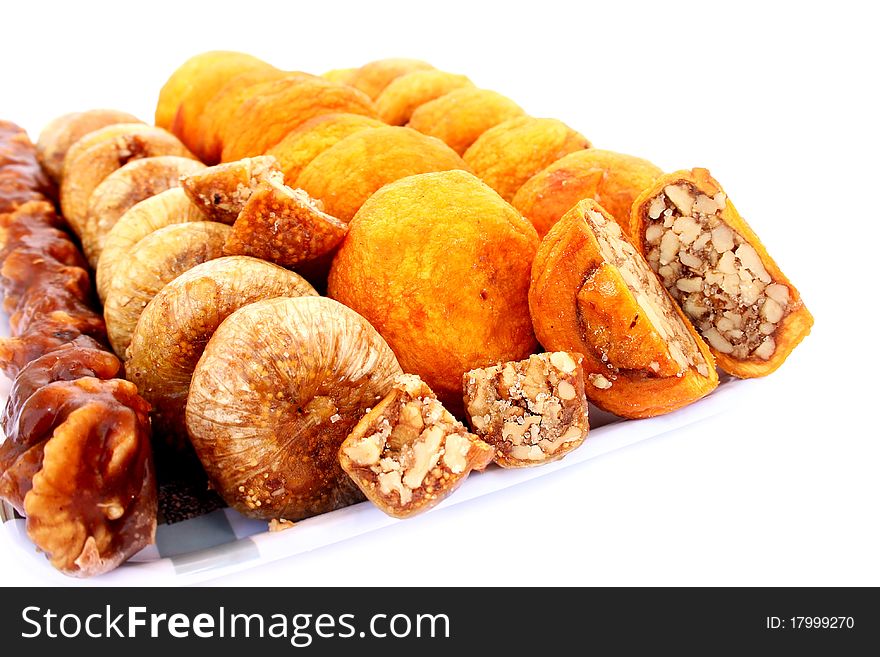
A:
(452, 233)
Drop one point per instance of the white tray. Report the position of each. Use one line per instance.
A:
(223, 541)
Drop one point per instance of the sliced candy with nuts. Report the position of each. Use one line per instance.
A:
(714, 265)
(408, 453)
(532, 411)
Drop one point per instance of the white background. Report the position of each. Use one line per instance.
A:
(778, 99)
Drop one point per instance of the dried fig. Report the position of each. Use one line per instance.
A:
(94, 157)
(713, 264)
(122, 189)
(165, 208)
(156, 260)
(613, 180)
(340, 75)
(304, 143)
(194, 83)
(404, 94)
(440, 265)
(593, 294)
(222, 190)
(279, 386)
(346, 174)
(461, 116)
(60, 134)
(285, 226)
(372, 78)
(218, 110)
(277, 107)
(78, 464)
(175, 326)
(409, 453)
(506, 156)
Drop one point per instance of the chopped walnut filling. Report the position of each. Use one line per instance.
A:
(650, 296)
(713, 272)
(408, 453)
(532, 411)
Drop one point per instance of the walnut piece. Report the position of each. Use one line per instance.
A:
(532, 411)
(409, 453)
(77, 462)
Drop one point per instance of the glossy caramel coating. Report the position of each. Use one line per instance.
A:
(21, 177)
(77, 462)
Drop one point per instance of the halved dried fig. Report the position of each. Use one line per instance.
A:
(60, 134)
(78, 464)
(409, 453)
(175, 326)
(592, 293)
(285, 226)
(222, 190)
(155, 261)
(279, 386)
(94, 157)
(122, 189)
(165, 208)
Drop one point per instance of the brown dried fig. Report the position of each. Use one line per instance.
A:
(175, 326)
(62, 133)
(279, 387)
(155, 261)
(94, 157)
(169, 207)
(122, 189)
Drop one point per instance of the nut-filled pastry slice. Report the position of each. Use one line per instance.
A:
(592, 293)
(716, 268)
